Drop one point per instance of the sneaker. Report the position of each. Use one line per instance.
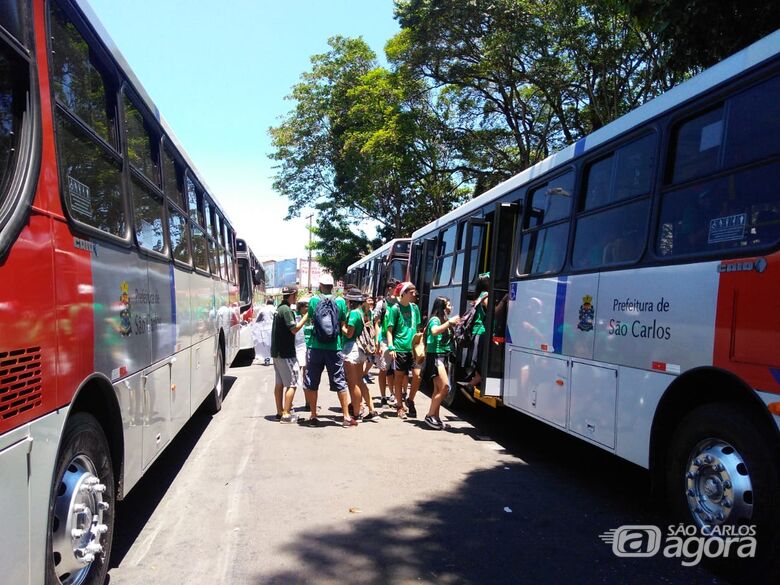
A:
(411, 408)
(373, 415)
(288, 418)
(306, 407)
(383, 402)
(433, 422)
(267, 361)
(368, 379)
(442, 425)
(391, 401)
(311, 422)
(278, 417)
(349, 422)
(401, 413)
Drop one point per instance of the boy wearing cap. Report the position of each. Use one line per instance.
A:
(283, 332)
(325, 355)
(402, 322)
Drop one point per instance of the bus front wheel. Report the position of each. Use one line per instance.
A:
(81, 506)
(722, 469)
(217, 394)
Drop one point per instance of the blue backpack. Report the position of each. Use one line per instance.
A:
(326, 321)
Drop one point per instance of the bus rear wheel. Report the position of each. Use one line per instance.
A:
(81, 506)
(722, 469)
(217, 394)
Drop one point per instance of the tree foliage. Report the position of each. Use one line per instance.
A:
(359, 146)
(699, 33)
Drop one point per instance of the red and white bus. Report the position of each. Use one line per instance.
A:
(251, 291)
(118, 290)
(373, 270)
(635, 288)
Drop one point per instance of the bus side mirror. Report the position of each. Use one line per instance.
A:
(256, 277)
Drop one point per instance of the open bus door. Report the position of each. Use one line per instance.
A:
(499, 262)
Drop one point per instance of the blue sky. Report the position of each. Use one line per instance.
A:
(219, 72)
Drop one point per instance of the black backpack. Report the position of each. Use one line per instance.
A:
(463, 333)
(326, 321)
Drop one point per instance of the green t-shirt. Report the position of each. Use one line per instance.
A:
(440, 343)
(404, 321)
(354, 319)
(479, 320)
(341, 304)
(308, 332)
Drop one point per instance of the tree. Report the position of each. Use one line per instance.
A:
(699, 33)
(359, 147)
(523, 78)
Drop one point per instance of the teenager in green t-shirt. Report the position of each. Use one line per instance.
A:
(438, 344)
(402, 322)
(354, 356)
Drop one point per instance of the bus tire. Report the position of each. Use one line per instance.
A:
(217, 394)
(81, 506)
(723, 470)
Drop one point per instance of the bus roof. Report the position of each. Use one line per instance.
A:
(380, 250)
(125, 68)
(738, 63)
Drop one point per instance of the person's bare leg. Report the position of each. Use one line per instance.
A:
(289, 395)
(311, 400)
(278, 393)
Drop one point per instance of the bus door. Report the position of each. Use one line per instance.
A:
(499, 263)
(424, 273)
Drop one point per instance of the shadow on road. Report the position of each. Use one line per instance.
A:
(532, 521)
(137, 508)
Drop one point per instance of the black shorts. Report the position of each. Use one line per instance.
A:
(404, 362)
(432, 363)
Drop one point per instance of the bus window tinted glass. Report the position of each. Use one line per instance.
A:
(443, 271)
(599, 183)
(141, 144)
(91, 181)
(13, 18)
(697, 145)
(543, 250)
(737, 211)
(172, 180)
(179, 234)
(457, 273)
(614, 236)
(11, 101)
(148, 215)
(447, 244)
(194, 202)
(754, 124)
(552, 201)
(79, 83)
(635, 163)
(397, 269)
(200, 250)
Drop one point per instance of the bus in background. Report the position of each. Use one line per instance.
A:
(634, 285)
(373, 270)
(251, 291)
(119, 292)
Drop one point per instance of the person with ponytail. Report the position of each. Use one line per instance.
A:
(438, 345)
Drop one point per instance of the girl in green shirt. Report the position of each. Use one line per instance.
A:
(354, 356)
(437, 348)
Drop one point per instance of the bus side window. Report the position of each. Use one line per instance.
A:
(444, 254)
(85, 116)
(613, 234)
(543, 242)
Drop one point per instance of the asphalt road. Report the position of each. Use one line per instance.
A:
(499, 498)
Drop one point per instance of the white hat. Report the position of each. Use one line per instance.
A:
(326, 279)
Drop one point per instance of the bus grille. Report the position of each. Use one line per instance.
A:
(20, 381)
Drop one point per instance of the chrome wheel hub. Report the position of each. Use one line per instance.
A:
(718, 486)
(77, 525)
